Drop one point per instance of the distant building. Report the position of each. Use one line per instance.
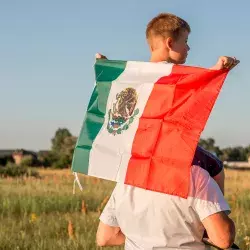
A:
(15, 156)
(239, 164)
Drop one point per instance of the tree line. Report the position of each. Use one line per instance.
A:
(63, 144)
(238, 153)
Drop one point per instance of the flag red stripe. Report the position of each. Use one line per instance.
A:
(170, 127)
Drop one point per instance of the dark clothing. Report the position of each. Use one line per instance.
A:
(207, 161)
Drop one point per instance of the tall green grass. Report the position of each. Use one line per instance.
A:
(35, 213)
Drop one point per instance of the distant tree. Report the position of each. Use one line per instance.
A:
(27, 161)
(68, 146)
(63, 162)
(234, 154)
(58, 139)
(63, 145)
(47, 159)
(209, 145)
(247, 149)
(66, 152)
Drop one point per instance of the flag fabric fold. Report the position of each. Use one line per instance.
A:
(144, 121)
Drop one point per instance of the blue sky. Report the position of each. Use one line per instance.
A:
(47, 53)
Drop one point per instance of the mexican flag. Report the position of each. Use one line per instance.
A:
(144, 121)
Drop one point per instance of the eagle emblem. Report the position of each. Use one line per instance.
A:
(123, 111)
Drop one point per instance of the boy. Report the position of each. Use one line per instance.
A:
(151, 220)
(167, 38)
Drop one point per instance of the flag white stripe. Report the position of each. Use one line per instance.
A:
(110, 153)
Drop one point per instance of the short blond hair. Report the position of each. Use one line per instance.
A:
(166, 25)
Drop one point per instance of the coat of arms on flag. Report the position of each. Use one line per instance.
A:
(144, 121)
(123, 111)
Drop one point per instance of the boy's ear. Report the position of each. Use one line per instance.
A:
(169, 43)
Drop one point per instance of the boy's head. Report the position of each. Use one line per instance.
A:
(167, 37)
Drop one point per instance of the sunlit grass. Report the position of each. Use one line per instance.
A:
(44, 214)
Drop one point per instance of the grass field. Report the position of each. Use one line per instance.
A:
(44, 214)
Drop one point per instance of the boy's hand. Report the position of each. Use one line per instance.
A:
(100, 56)
(225, 62)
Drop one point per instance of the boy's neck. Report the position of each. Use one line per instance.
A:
(158, 58)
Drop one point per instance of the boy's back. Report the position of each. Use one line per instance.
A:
(152, 220)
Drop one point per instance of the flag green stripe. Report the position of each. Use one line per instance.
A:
(106, 72)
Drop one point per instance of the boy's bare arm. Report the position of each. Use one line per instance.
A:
(225, 62)
(109, 236)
